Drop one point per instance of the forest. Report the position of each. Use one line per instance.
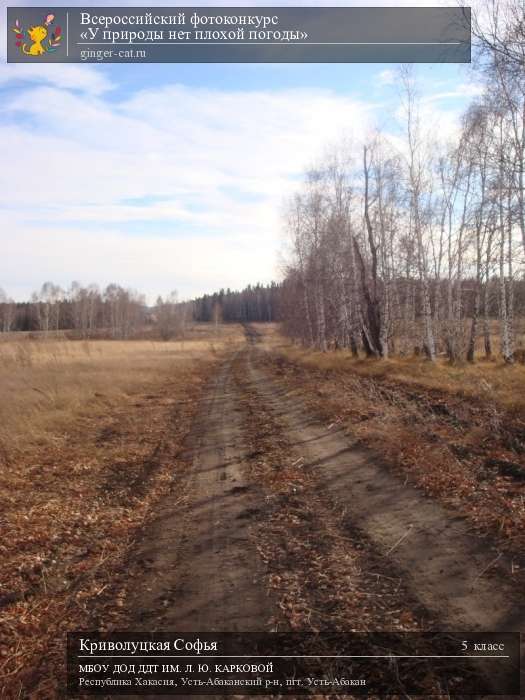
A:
(418, 244)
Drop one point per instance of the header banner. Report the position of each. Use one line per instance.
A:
(238, 35)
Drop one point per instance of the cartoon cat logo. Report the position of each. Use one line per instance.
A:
(37, 35)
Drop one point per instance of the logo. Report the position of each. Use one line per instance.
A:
(39, 39)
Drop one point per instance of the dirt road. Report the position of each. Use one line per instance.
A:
(200, 569)
(442, 561)
(200, 565)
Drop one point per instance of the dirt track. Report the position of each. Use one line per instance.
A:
(433, 546)
(199, 567)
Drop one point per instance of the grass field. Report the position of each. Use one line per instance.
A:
(47, 383)
(91, 433)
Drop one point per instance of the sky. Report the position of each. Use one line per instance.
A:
(168, 177)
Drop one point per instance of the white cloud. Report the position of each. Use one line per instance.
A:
(206, 163)
(387, 77)
(168, 141)
(156, 264)
(459, 92)
(60, 75)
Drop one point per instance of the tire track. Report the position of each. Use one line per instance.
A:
(449, 570)
(200, 567)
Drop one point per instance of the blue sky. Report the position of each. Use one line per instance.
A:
(164, 177)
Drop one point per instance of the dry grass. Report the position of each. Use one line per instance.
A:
(496, 380)
(91, 440)
(47, 384)
(446, 429)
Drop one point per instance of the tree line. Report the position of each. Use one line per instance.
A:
(415, 244)
(117, 312)
(88, 310)
(259, 303)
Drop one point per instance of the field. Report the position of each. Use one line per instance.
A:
(50, 382)
(353, 494)
(90, 432)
